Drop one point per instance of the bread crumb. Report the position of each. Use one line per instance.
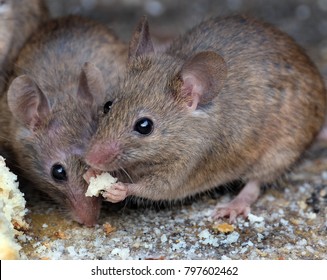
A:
(100, 183)
(108, 228)
(223, 228)
(12, 212)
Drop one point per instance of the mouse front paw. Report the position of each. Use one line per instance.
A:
(115, 193)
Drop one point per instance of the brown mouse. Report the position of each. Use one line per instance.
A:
(232, 99)
(54, 102)
(18, 19)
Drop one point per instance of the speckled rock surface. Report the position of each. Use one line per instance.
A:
(289, 221)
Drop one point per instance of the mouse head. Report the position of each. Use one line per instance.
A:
(159, 112)
(51, 137)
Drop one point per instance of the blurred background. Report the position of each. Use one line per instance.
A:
(305, 20)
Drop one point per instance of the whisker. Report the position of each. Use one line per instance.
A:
(126, 173)
(4, 138)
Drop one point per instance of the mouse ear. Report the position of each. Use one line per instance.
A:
(203, 76)
(91, 88)
(141, 42)
(26, 102)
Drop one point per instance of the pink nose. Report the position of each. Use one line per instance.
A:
(101, 155)
(86, 211)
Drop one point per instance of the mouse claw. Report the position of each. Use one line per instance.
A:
(240, 205)
(116, 193)
(90, 173)
(231, 210)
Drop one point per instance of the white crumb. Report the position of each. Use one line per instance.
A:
(100, 183)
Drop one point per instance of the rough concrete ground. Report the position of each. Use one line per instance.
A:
(289, 221)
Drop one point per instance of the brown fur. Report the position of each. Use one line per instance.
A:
(62, 104)
(268, 111)
(17, 22)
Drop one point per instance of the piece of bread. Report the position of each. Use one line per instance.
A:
(100, 183)
(12, 212)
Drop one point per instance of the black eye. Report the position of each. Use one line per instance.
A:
(58, 172)
(144, 126)
(107, 107)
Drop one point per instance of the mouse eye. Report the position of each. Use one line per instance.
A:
(144, 126)
(58, 172)
(107, 107)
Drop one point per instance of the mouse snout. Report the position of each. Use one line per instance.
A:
(86, 211)
(102, 155)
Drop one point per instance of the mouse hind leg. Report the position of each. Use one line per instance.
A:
(241, 204)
